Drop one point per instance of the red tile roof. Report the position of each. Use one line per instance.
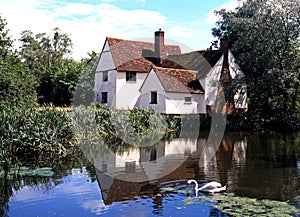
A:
(136, 56)
(179, 80)
(181, 69)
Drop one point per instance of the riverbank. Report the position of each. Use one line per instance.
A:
(52, 130)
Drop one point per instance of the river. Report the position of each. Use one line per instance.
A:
(153, 181)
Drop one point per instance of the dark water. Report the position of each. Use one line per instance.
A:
(263, 166)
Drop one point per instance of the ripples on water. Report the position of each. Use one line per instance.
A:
(263, 167)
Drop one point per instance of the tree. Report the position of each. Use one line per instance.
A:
(5, 41)
(264, 36)
(48, 59)
(16, 82)
(85, 94)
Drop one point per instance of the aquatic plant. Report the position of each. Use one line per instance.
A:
(33, 131)
(26, 171)
(233, 205)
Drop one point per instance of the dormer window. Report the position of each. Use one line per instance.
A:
(105, 76)
(131, 76)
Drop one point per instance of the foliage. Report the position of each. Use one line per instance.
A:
(33, 131)
(84, 92)
(100, 129)
(133, 126)
(25, 171)
(265, 36)
(243, 206)
(16, 82)
(5, 41)
(47, 58)
(237, 206)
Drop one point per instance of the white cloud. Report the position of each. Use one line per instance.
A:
(211, 17)
(87, 24)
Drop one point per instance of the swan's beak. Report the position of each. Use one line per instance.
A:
(189, 182)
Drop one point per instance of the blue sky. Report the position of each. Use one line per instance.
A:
(88, 22)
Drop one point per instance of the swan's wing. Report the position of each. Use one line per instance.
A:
(211, 185)
(207, 186)
(216, 190)
(215, 184)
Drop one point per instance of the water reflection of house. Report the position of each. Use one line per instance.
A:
(136, 168)
(251, 172)
(140, 171)
(239, 151)
(141, 164)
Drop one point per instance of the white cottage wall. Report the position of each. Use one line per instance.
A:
(128, 92)
(175, 103)
(152, 83)
(106, 63)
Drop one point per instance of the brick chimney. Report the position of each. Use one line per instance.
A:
(224, 44)
(159, 46)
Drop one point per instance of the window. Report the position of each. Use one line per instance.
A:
(105, 76)
(188, 99)
(153, 155)
(131, 76)
(153, 99)
(104, 97)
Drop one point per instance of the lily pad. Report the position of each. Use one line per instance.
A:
(26, 171)
(243, 206)
(237, 206)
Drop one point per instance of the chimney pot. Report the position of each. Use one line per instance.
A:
(159, 46)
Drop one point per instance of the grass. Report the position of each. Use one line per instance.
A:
(26, 130)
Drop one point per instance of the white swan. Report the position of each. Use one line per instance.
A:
(210, 187)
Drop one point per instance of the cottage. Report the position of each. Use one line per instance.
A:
(135, 74)
(123, 67)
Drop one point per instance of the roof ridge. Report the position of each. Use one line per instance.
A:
(174, 69)
(128, 40)
(148, 42)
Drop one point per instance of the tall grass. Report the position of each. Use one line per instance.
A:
(145, 123)
(28, 129)
(129, 123)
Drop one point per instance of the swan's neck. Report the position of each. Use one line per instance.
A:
(196, 184)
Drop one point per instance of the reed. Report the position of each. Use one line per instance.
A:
(29, 129)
